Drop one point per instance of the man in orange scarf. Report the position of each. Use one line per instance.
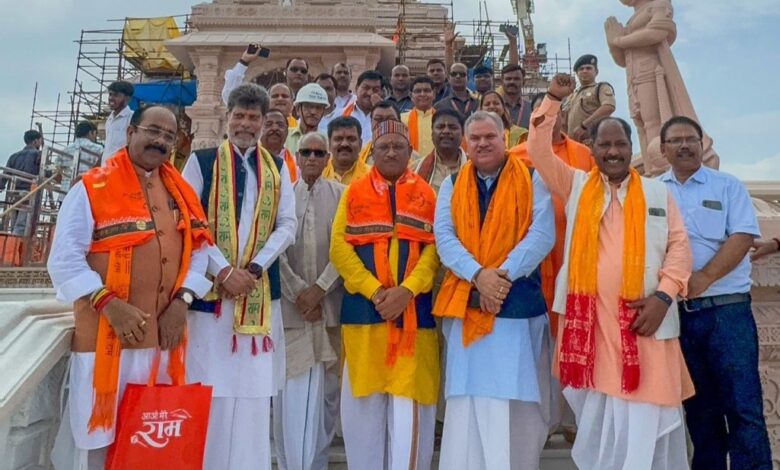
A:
(129, 253)
(382, 245)
(626, 258)
(419, 119)
(494, 226)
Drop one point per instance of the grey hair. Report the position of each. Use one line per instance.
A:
(315, 135)
(484, 116)
(249, 95)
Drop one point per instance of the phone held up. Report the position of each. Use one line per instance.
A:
(260, 51)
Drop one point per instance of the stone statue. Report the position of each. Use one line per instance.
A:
(656, 91)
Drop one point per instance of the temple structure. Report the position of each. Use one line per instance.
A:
(357, 32)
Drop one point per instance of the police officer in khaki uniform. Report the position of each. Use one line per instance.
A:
(591, 102)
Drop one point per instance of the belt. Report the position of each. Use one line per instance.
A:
(702, 303)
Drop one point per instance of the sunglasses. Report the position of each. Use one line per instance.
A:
(306, 153)
(298, 70)
(458, 74)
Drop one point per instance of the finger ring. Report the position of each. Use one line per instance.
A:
(128, 335)
(143, 323)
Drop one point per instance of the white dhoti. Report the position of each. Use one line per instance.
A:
(492, 434)
(239, 436)
(499, 396)
(386, 432)
(305, 414)
(615, 434)
(75, 447)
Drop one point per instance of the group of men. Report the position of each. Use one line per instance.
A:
(304, 264)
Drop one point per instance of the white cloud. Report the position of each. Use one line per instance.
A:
(762, 170)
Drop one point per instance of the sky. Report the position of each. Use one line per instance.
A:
(728, 53)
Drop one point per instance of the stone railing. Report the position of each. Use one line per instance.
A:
(34, 344)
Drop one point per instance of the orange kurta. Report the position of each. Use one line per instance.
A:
(575, 155)
(664, 379)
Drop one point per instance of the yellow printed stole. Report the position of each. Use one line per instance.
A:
(578, 346)
(251, 314)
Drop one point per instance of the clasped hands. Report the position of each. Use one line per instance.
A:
(392, 301)
(493, 285)
(235, 283)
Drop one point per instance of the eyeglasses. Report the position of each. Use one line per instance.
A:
(298, 70)
(306, 153)
(155, 133)
(458, 74)
(677, 141)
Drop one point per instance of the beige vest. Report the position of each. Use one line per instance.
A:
(155, 268)
(656, 240)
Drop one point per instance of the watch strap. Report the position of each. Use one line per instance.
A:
(665, 297)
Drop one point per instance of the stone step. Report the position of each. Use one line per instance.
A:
(555, 456)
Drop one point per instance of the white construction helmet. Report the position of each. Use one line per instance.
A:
(312, 93)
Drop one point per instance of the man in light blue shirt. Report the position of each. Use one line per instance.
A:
(498, 383)
(718, 333)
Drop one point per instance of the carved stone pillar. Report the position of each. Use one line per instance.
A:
(208, 112)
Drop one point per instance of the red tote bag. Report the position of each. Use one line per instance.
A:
(161, 425)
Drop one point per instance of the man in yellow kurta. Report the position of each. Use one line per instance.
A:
(420, 118)
(383, 247)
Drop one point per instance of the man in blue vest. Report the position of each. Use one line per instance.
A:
(236, 339)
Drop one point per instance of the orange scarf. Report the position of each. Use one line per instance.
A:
(414, 128)
(122, 221)
(292, 167)
(506, 223)
(370, 221)
(349, 109)
(578, 347)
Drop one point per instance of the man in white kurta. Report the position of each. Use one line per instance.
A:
(78, 268)
(305, 412)
(243, 380)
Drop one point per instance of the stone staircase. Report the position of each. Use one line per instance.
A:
(556, 456)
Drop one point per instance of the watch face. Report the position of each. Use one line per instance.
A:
(187, 297)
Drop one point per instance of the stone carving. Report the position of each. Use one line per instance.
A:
(656, 90)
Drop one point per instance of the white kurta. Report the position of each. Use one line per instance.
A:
(239, 423)
(73, 278)
(116, 131)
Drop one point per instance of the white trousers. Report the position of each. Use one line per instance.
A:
(386, 432)
(615, 434)
(483, 433)
(304, 419)
(239, 434)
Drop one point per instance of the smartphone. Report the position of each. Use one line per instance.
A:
(474, 298)
(252, 49)
(264, 52)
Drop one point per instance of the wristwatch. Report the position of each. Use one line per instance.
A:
(185, 295)
(665, 297)
(255, 270)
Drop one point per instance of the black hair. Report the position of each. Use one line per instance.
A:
(326, 76)
(344, 122)
(249, 95)
(369, 75)
(287, 65)
(121, 86)
(275, 110)
(83, 128)
(447, 112)
(683, 120)
(435, 61)
(31, 136)
(422, 79)
(594, 129)
(387, 104)
(512, 68)
(138, 114)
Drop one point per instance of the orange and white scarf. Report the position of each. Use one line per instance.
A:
(578, 347)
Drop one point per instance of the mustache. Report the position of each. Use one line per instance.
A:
(344, 148)
(159, 148)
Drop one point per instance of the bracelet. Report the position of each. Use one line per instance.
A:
(554, 97)
(104, 301)
(228, 275)
(98, 295)
(777, 242)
